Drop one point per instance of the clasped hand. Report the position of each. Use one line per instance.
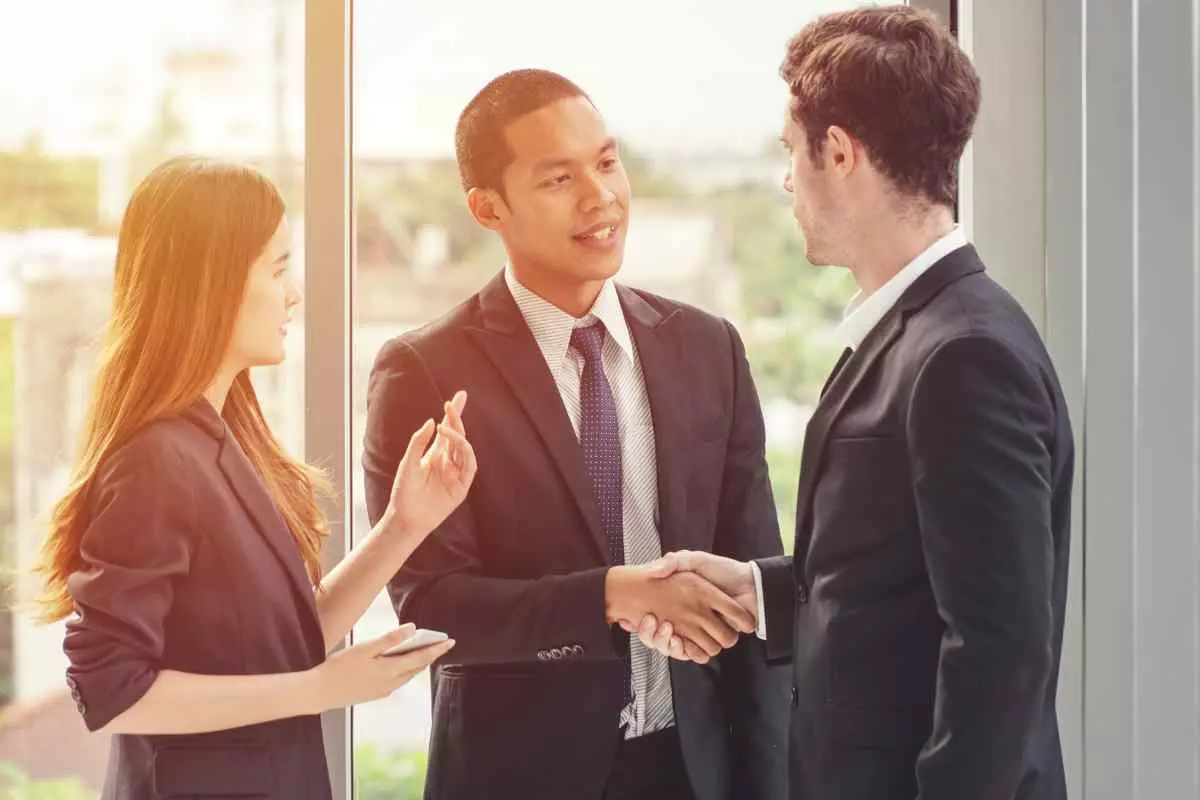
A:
(688, 605)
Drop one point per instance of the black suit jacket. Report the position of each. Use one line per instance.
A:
(191, 568)
(527, 704)
(924, 610)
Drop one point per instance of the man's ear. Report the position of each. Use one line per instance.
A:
(843, 153)
(487, 207)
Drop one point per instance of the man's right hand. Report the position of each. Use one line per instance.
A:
(734, 578)
(698, 611)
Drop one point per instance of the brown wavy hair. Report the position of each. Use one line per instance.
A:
(894, 78)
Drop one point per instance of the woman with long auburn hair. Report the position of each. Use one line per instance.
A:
(186, 551)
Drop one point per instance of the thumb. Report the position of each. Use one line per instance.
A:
(420, 440)
(391, 639)
(664, 567)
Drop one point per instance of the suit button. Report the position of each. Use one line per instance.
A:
(795, 697)
(802, 593)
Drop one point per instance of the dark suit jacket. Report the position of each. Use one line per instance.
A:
(924, 611)
(527, 704)
(191, 568)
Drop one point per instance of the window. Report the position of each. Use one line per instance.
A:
(698, 115)
(222, 78)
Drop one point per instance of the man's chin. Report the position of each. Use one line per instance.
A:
(816, 258)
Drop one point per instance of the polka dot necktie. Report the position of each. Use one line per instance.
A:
(600, 439)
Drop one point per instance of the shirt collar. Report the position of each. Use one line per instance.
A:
(551, 326)
(865, 311)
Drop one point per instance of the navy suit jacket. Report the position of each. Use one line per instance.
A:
(527, 704)
(923, 612)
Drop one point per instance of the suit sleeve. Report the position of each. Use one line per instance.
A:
(778, 602)
(445, 585)
(755, 693)
(979, 428)
(135, 547)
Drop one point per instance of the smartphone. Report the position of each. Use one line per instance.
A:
(421, 638)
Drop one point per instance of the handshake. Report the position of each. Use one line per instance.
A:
(688, 605)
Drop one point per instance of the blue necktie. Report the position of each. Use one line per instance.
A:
(599, 436)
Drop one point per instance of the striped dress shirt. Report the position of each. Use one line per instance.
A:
(651, 709)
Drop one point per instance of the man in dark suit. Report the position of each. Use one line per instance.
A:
(610, 426)
(923, 612)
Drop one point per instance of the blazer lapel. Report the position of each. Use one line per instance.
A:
(844, 381)
(660, 353)
(250, 491)
(508, 343)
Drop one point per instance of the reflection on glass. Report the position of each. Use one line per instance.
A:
(698, 114)
(223, 78)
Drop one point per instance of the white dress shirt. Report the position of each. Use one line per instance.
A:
(652, 706)
(863, 313)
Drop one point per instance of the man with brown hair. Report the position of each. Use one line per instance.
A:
(923, 611)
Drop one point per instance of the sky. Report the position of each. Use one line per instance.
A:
(669, 75)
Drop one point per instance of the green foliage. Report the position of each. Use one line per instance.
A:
(379, 775)
(16, 785)
(784, 466)
(43, 191)
(7, 509)
(794, 305)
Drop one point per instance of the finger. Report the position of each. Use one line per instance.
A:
(418, 660)
(662, 640)
(696, 630)
(694, 653)
(416, 445)
(454, 410)
(734, 613)
(646, 630)
(720, 631)
(626, 626)
(459, 455)
(391, 639)
(675, 649)
(452, 440)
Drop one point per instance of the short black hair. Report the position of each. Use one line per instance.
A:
(479, 144)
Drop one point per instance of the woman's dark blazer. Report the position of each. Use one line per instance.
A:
(188, 566)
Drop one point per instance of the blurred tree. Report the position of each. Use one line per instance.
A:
(7, 510)
(16, 785)
(385, 776)
(44, 191)
(792, 305)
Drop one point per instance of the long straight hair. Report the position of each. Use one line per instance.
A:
(190, 234)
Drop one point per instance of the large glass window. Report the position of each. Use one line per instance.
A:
(692, 91)
(94, 95)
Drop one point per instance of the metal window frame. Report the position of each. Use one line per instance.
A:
(328, 242)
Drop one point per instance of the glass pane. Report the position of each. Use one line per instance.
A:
(699, 113)
(145, 80)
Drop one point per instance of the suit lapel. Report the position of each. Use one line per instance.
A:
(659, 352)
(842, 384)
(250, 491)
(509, 345)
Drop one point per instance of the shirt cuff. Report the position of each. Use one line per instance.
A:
(761, 630)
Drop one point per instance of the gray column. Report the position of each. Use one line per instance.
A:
(1123, 194)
